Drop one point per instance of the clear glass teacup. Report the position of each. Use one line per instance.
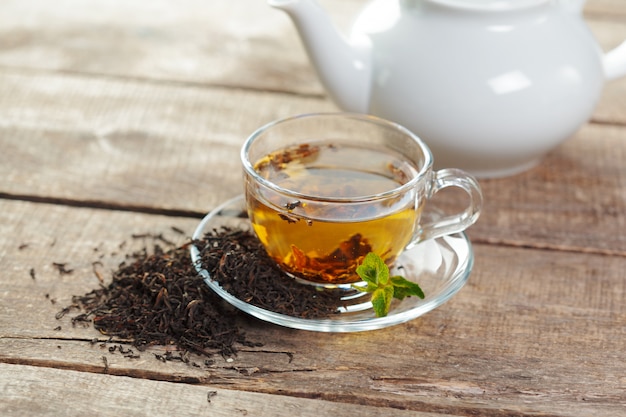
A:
(324, 190)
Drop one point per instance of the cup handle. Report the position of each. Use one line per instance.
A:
(458, 222)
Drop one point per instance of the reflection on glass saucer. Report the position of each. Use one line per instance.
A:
(440, 266)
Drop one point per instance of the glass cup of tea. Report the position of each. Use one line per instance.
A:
(324, 190)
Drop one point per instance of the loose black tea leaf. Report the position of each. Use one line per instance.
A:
(210, 395)
(237, 260)
(106, 364)
(62, 268)
(159, 299)
(97, 273)
(177, 230)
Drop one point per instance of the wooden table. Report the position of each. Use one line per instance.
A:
(124, 117)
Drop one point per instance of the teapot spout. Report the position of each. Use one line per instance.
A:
(342, 65)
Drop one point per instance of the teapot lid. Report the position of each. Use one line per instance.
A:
(496, 5)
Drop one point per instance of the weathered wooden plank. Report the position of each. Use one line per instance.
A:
(575, 196)
(219, 42)
(134, 143)
(118, 120)
(243, 44)
(607, 8)
(28, 391)
(532, 332)
(172, 147)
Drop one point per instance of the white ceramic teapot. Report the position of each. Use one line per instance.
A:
(490, 85)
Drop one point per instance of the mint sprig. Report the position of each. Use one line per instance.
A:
(384, 288)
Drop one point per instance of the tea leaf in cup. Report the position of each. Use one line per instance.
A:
(384, 288)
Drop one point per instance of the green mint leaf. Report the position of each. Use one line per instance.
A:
(381, 301)
(367, 274)
(377, 263)
(383, 288)
(404, 288)
(373, 270)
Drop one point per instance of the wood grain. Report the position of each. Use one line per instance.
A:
(577, 195)
(510, 342)
(143, 146)
(93, 394)
(126, 117)
(246, 44)
(128, 142)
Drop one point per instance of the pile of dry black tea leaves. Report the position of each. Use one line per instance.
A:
(236, 259)
(157, 297)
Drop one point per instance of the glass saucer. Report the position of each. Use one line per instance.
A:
(440, 266)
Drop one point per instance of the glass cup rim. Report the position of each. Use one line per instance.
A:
(422, 172)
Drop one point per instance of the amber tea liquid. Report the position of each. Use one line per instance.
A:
(324, 241)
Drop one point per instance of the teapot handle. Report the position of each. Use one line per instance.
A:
(615, 62)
